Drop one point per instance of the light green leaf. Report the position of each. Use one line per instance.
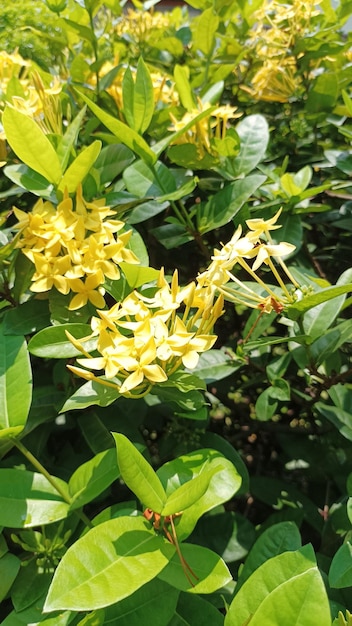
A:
(28, 179)
(340, 573)
(69, 139)
(89, 394)
(31, 145)
(296, 310)
(210, 571)
(124, 134)
(108, 564)
(92, 478)
(80, 167)
(181, 76)
(188, 493)
(204, 35)
(139, 475)
(144, 181)
(138, 98)
(53, 343)
(276, 539)
(287, 590)
(137, 275)
(28, 499)
(215, 365)
(15, 383)
(253, 132)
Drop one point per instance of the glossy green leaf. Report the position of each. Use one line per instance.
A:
(154, 603)
(30, 586)
(222, 486)
(108, 564)
(276, 539)
(223, 206)
(204, 35)
(298, 308)
(287, 590)
(341, 419)
(253, 132)
(92, 478)
(52, 342)
(124, 134)
(217, 442)
(215, 365)
(137, 275)
(188, 493)
(138, 97)
(323, 93)
(69, 139)
(90, 393)
(181, 76)
(113, 160)
(211, 573)
(9, 568)
(79, 168)
(31, 145)
(29, 317)
(15, 383)
(138, 474)
(28, 499)
(318, 319)
(28, 179)
(340, 573)
(145, 181)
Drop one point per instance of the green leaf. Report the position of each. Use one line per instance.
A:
(144, 181)
(181, 77)
(124, 134)
(137, 275)
(298, 308)
(323, 93)
(222, 486)
(52, 342)
(276, 539)
(113, 160)
(210, 570)
(138, 475)
(340, 573)
(138, 98)
(253, 132)
(188, 493)
(89, 394)
(341, 419)
(31, 145)
(84, 32)
(318, 319)
(204, 35)
(9, 568)
(28, 499)
(30, 180)
(215, 365)
(193, 610)
(108, 564)
(69, 139)
(15, 383)
(29, 317)
(154, 603)
(80, 167)
(92, 478)
(224, 205)
(266, 405)
(287, 590)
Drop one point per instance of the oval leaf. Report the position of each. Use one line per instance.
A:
(15, 383)
(52, 342)
(80, 167)
(138, 475)
(107, 564)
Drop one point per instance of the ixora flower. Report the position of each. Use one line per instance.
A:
(142, 340)
(74, 247)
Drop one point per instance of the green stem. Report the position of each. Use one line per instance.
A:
(41, 469)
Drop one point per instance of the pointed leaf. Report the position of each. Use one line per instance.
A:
(28, 179)
(138, 474)
(80, 167)
(92, 478)
(31, 145)
(107, 564)
(188, 493)
(53, 343)
(253, 132)
(308, 302)
(89, 394)
(15, 383)
(137, 275)
(124, 134)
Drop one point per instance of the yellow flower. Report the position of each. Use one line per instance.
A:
(144, 367)
(265, 251)
(86, 291)
(262, 227)
(50, 273)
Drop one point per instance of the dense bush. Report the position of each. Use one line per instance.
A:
(175, 272)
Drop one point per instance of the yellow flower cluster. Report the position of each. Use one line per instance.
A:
(142, 23)
(203, 131)
(144, 339)
(33, 98)
(276, 30)
(257, 245)
(73, 248)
